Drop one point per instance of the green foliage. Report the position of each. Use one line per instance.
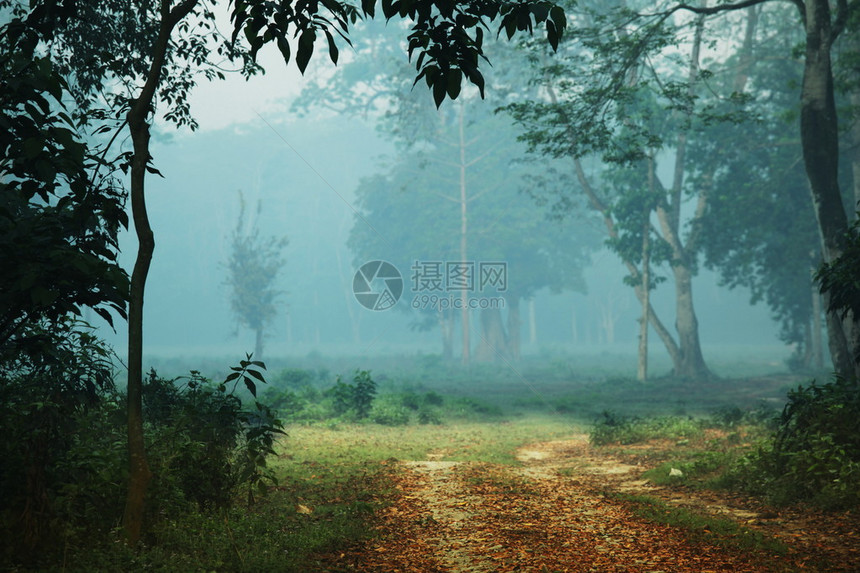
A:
(354, 399)
(364, 391)
(206, 444)
(65, 448)
(612, 428)
(390, 411)
(446, 39)
(43, 394)
(841, 278)
(812, 455)
(58, 220)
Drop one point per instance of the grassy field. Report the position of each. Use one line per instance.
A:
(335, 474)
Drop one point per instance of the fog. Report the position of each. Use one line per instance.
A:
(304, 172)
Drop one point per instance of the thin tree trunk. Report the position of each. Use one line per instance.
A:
(642, 365)
(258, 344)
(514, 328)
(464, 295)
(532, 323)
(139, 472)
(596, 203)
(446, 326)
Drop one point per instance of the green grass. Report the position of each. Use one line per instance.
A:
(700, 528)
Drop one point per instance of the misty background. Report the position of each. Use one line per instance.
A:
(305, 171)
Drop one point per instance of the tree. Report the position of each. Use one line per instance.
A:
(467, 160)
(149, 57)
(625, 115)
(59, 219)
(759, 192)
(641, 33)
(819, 137)
(411, 215)
(252, 269)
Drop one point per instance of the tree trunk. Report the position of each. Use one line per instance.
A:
(692, 364)
(446, 326)
(494, 341)
(258, 344)
(642, 365)
(464, 296)
(819, 138)
(514, 327)
(139, 473)
(817, 347)
(532, 323)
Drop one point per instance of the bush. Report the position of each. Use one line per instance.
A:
(612, 428)
(205, 443)
(390, 411)
(47, 392)
(814, 454)
(354, 399)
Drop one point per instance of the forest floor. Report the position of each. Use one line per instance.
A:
(566, 506)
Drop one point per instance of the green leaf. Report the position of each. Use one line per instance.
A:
(438, 89)
(306, 49)
(332, 47)
(455, 78)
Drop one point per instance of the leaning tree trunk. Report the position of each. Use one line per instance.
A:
(819, 136)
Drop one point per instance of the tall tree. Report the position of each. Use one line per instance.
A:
(760, 190)
(627, 113)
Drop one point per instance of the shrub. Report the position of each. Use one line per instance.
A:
(205, 443)
(294, 377)
(390, 411)
(814, 454)
(353, 399)
(612, 428)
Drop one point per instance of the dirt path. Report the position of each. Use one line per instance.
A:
(548, 514)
